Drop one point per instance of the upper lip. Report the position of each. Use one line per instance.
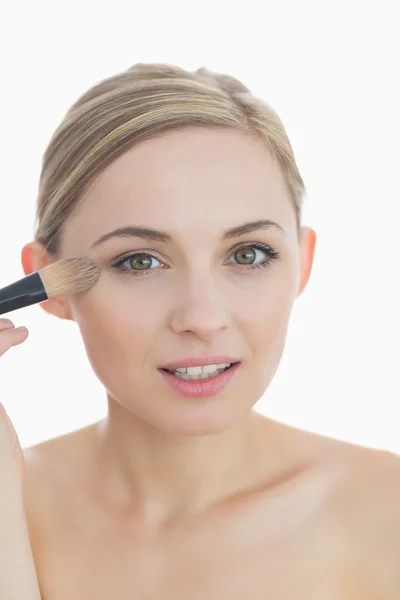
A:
(194, 361)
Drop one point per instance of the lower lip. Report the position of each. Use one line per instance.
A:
(203, 387)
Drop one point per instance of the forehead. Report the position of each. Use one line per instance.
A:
(188, 181)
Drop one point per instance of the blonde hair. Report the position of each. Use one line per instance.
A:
(140, 103)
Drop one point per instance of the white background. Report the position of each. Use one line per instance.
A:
(331, 70)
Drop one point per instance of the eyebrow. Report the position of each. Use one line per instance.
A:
(160, 236)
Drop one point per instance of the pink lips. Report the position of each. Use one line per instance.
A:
(203, 387)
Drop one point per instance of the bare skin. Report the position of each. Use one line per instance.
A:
(326, 527)
(179, 498)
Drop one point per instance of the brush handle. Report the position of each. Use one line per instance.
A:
(25, 292)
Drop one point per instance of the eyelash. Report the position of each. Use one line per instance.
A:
(272, 255)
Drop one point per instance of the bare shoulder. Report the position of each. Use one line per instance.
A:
(364, 506)
(357, 492)
(368, 481)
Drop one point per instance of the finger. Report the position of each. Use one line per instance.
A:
(12, 337)
(6, 323)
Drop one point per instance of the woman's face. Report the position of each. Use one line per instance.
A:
(196, 289)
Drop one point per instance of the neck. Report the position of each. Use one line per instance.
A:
(162, 477)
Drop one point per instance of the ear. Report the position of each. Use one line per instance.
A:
(307, 243)
(35, 257)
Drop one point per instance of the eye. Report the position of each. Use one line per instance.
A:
(249, 257)
(254, 256)
(138, 263)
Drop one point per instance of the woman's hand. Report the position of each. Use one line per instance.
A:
(11, 455)
(18, 579)
(10, 335)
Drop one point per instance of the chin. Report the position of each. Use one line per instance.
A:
(199, 418)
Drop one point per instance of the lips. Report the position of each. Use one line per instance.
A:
(201, 388)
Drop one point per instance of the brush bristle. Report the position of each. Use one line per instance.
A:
(69, 276)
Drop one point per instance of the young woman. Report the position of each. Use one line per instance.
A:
(184, 189)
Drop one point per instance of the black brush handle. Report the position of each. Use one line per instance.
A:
(25, 292)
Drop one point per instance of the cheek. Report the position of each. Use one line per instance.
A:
(116, 329)
(265, 331)
(264, 309)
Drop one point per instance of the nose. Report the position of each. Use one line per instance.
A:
(201, 308)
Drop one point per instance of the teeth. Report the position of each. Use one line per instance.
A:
(201, 371)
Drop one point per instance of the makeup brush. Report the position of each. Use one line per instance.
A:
(64, 277)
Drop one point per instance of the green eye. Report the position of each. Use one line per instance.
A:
(140, 262)
(254, 256)
(134, 263)
(245, 256)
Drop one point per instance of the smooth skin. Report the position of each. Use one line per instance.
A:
(197, 499)
(18, 577)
